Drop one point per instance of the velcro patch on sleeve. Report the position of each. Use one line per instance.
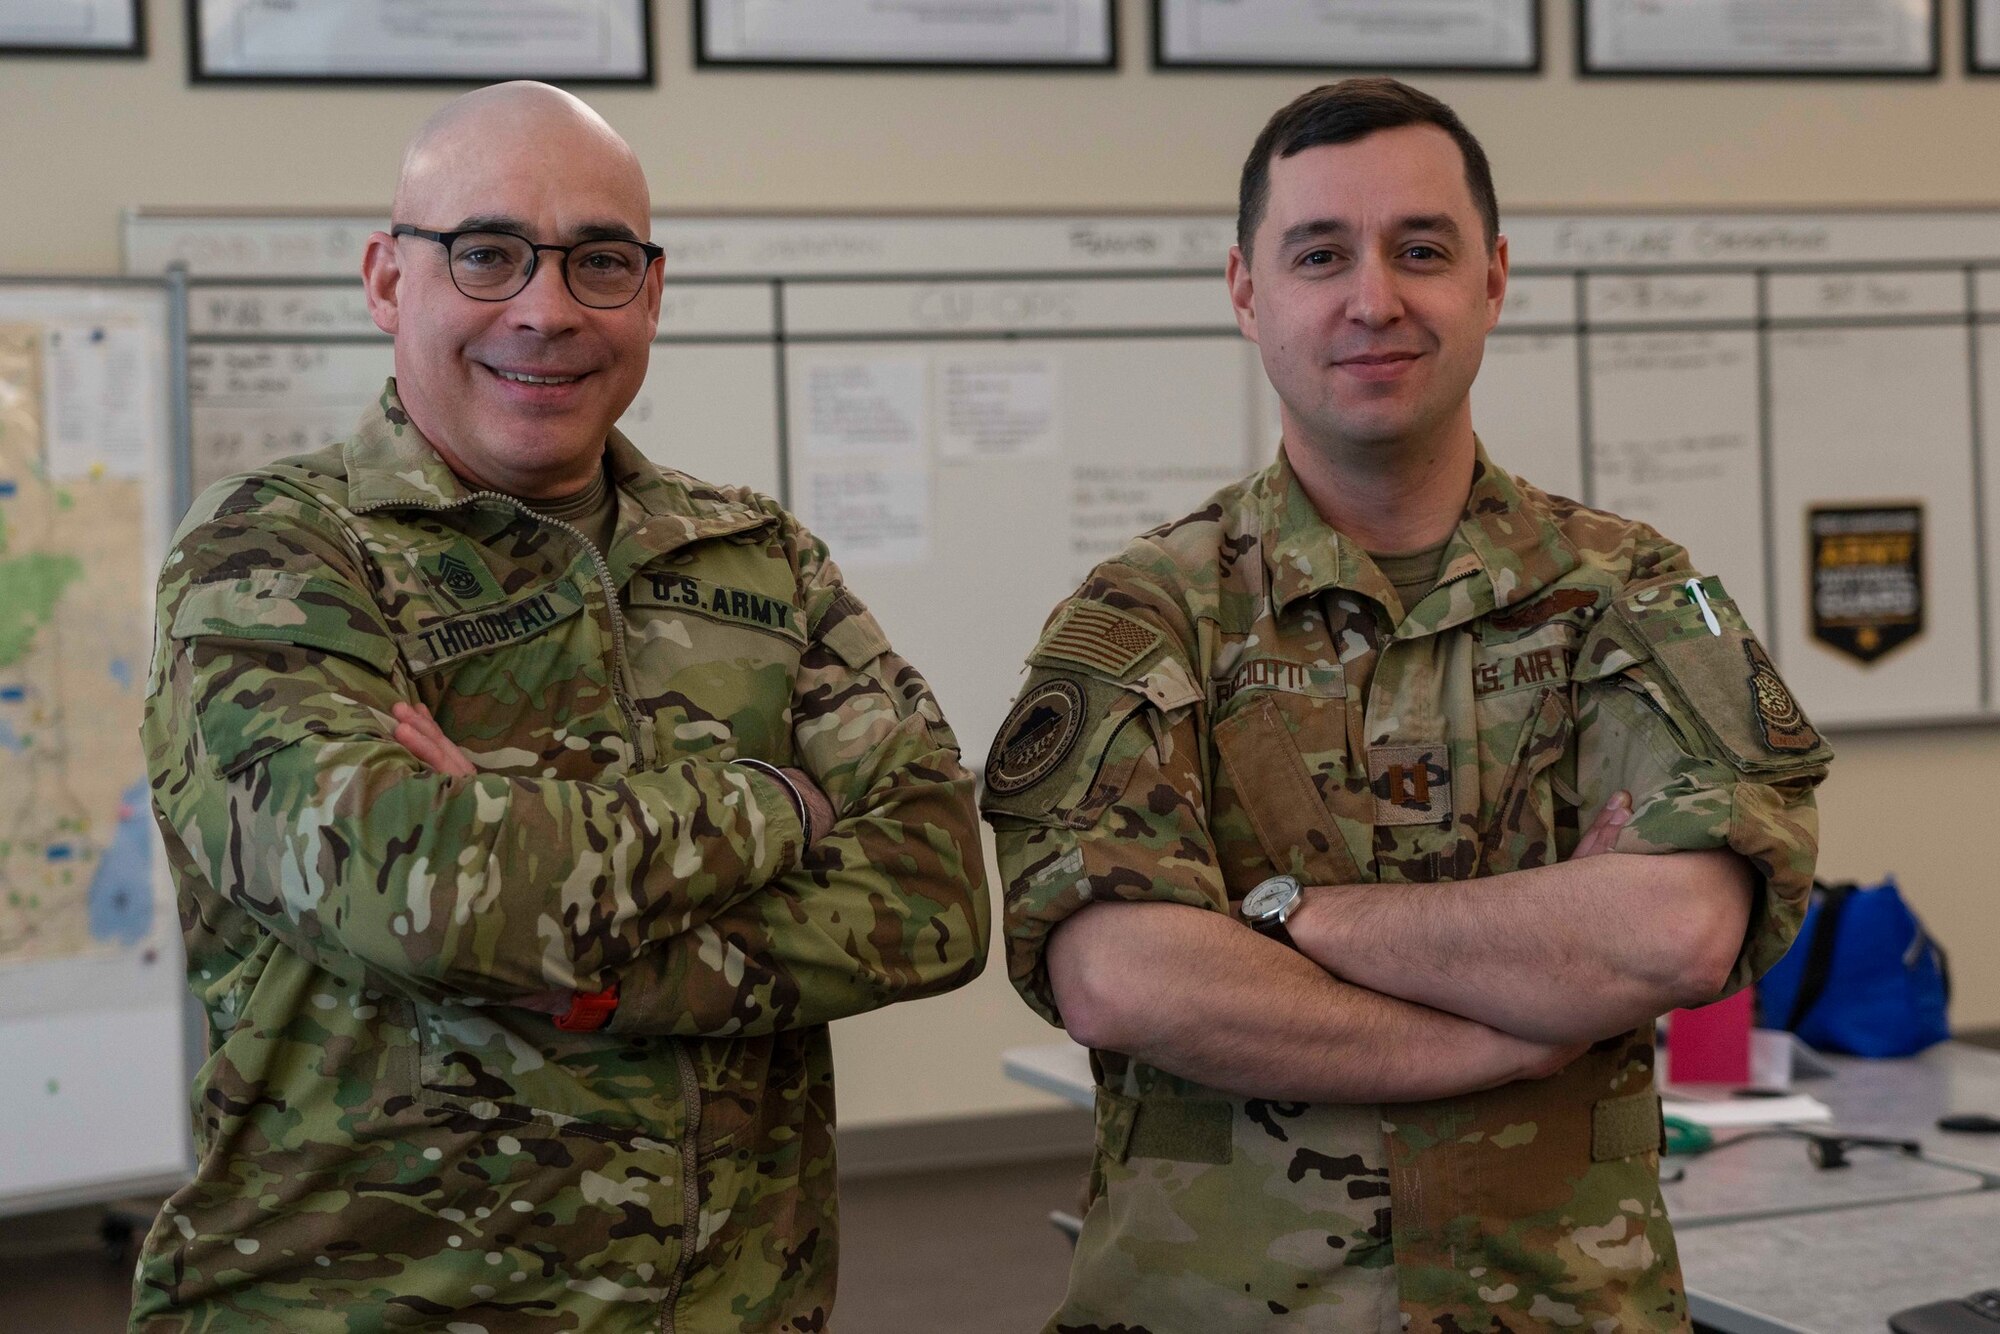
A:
(287, 607)
(1092, 635)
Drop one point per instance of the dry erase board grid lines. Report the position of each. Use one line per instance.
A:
(1761, 323)
(1688, 412)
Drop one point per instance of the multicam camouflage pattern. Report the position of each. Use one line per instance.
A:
(385, 1140)
(1258, 701)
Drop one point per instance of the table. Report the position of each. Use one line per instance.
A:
(1905, 1098)
(1771, 1245)
(1804, 1275)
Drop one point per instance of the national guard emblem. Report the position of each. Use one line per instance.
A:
(457, 577)
(1867, 577)
(1036, 737)
(1784, 723)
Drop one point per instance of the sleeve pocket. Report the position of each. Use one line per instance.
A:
(256, 690)
(851, 632)
(286, 607)
(1717, 677)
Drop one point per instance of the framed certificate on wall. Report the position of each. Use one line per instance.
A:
(1982, 37)
(1895, 38)
(420, 41)
(72, 28)
(895, 34)
(1482, 36)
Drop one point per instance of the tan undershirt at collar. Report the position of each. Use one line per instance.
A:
(592, 511)
(1413, 574)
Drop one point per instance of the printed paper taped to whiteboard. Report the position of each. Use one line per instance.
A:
(99, 385)
(998, 408)
(866, 407)
(871, 516)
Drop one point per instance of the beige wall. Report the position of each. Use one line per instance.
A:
(83, 140)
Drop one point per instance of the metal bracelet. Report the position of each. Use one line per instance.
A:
(798, 797)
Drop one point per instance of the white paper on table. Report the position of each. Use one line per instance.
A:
(870, 516)
(998, 407)
(97, 392)
(865, 407)
(1732, 1112)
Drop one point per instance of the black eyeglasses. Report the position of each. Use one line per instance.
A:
(493, 266)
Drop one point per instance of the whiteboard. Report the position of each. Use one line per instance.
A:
(972, 409)
(93, 1070)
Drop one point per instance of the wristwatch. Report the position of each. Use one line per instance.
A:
(589, 1010)
(1271, 904)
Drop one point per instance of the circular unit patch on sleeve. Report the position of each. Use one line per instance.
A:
(1036, 737)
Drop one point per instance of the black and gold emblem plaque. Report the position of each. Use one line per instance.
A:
(1867, 577)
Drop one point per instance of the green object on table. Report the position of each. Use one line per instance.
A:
(1685, 1136)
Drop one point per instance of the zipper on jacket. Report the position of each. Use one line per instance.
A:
(634, 733)
(690, 1087)
(690, 1184)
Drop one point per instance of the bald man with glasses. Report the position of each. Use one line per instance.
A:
(532, 810)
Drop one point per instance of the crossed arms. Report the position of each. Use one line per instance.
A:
(284, 787)
(1400, 993)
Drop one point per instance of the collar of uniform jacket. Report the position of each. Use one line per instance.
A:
(390, 463)
(1508, 547)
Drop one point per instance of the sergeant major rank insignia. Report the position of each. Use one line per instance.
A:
(459, 575)
(1036, 737)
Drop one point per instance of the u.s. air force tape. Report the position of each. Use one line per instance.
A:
(1036, 737)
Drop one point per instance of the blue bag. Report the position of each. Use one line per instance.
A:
(1864, 977)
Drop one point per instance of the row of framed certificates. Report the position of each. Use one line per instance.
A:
(611, 41)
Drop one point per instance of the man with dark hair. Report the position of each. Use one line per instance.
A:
(1362, 821)
(1341, 113)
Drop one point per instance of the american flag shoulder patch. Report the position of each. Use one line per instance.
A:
(1095, 636)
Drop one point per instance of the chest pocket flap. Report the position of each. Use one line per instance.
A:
(1686, 640)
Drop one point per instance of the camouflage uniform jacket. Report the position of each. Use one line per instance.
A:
(384, 1140)
(1238, 694)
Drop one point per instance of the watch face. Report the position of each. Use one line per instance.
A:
(1270, 896)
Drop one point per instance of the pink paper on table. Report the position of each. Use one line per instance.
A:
(1711, 1045)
